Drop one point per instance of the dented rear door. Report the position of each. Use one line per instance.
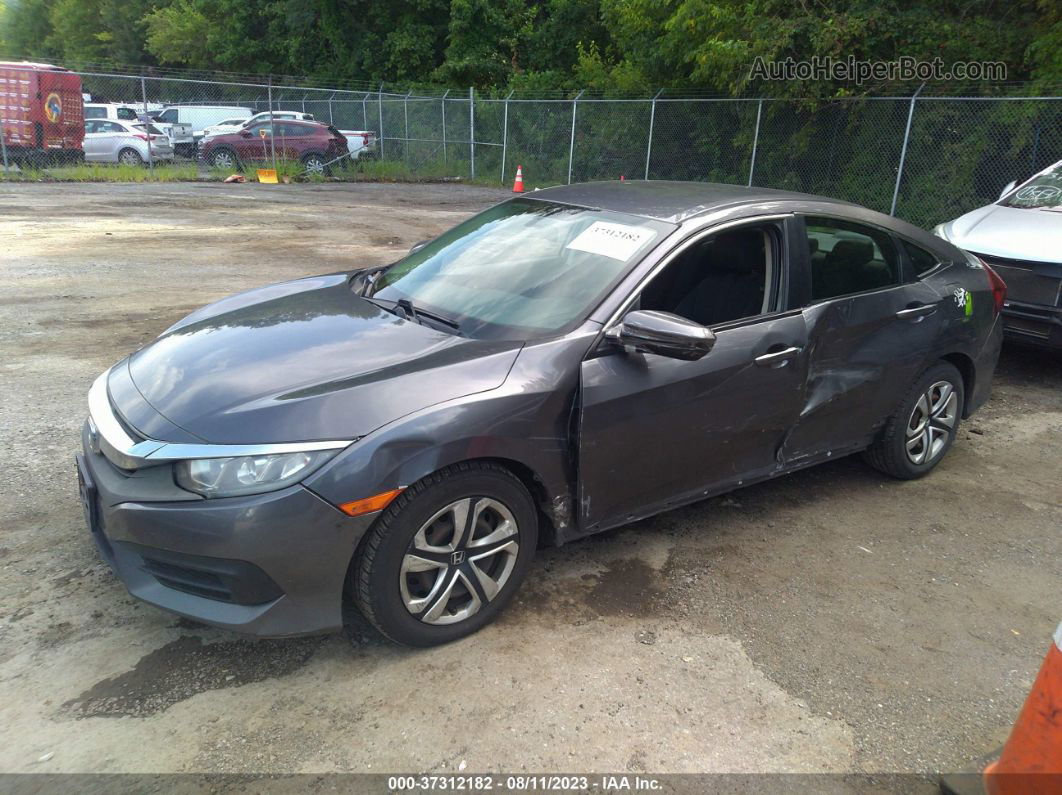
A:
(865, 350)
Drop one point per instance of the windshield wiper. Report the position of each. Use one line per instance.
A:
(404, 308)
(414, 313)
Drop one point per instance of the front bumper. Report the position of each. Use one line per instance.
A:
(1033, 324)
(270, 564)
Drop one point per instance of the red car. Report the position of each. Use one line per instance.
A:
(313, 144)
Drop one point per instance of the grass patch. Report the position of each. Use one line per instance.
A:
(104, 172)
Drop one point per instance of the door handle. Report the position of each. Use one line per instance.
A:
(777, 358)
(915, 314)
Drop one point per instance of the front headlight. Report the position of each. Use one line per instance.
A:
(252, 474)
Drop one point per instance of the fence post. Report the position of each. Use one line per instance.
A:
(472, 132)
(3, 144)
(379, 100)
(652, 121)
(571, 145)
(143, 100)
(405, 111)
(755, 140)
(505, 136)
(903, 150)
(442, 105)
(364, 111)
(330, 119)
(272, 143)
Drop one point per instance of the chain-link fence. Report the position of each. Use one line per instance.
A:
(924, 158)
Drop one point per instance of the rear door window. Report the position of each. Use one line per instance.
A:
(922, 261)
(848, 258)
(127, 114)
(95, 113)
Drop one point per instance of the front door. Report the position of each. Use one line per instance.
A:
(656, 430)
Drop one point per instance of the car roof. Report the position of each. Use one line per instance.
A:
(666, 200)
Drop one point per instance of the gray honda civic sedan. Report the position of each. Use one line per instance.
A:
(403, 438)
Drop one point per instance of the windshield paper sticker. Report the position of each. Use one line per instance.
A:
(611, 240)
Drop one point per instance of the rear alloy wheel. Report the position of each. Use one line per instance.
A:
(130, 157)
(447, 555)
(223, 158)
(314, 164)
(923, 427)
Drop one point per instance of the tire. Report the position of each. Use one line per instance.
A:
(458, 588)
(224, 158)
(922, 429)
(130, 157)
(315, 164)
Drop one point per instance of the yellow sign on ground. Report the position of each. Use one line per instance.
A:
(267, 175)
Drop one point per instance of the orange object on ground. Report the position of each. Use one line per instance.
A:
(267, 176)
(518, 186)
(1031, 762)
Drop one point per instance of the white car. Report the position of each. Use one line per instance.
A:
(111, 110)
(128, 142)
(1020, 236)
(224, 126)
(360, 143)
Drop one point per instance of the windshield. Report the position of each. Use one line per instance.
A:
(522, 269)
(1043, 191)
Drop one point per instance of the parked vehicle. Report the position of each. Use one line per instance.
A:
(111, 110)
(360, 143)
(232, 124)
(125, 142)
(312, 144)
(279, 115)
(42, 118)
(196, 118)
(1020, 236)
(555, 366)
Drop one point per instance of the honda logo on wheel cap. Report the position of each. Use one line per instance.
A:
(458, 557)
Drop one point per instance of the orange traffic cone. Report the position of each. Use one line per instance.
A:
(1031, 762)
(622, 178)
(518, 186)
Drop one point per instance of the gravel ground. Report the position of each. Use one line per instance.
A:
(831, 620)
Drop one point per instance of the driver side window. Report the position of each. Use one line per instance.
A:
(720, 278)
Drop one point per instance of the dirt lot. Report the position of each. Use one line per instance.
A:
(831, 620)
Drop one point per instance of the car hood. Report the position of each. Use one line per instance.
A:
(298, 361)
(1009, 232)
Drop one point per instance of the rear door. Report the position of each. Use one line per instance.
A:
(870, 331)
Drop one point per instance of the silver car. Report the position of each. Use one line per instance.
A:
(131, 143)
(1020, 236)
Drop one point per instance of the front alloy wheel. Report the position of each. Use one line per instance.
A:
(459, 560)
(446, 556)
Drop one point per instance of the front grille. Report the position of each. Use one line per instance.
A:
(200, 583)
(1029, 282)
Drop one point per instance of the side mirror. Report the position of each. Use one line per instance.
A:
(1010, 186)
(418, 246)
(664, 334)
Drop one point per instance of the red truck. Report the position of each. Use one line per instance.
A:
(41, 114)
